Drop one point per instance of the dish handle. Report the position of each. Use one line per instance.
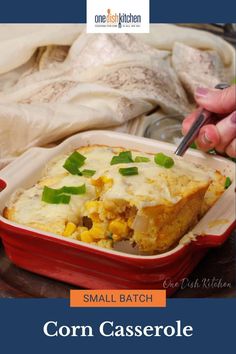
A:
(219, 222)
(210, 240)
(3, 185)
(18, 169)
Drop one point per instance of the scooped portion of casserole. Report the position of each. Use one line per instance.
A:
(102, 195)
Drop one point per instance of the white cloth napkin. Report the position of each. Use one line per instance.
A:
(56, 80)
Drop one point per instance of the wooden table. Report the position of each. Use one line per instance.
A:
(215, 276)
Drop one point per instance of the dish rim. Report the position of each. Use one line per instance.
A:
(46, 154)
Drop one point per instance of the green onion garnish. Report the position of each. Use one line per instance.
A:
(88, 173)
(227, 182)
(141, 159)
(163, 160)
(123, 157)
(74, 162)
(71, 167)
(193, 145)
(54, 196)
(130, 171)
(73, 190)
(55, 199)
(59, 196)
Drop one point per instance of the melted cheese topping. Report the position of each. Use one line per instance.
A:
(29, 208)
(149, 187)
(152, 186)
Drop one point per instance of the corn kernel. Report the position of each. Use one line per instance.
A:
(86, 237)
(70, 228)
(97, 231)
(81, 229)
(95, 217)
(96, 182)
(106, 180)
(100, 182)
(92, 205)
(118, 227)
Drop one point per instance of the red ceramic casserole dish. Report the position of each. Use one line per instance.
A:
(92, 267)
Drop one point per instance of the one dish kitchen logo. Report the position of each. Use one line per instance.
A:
(118, 20)
(123, 16)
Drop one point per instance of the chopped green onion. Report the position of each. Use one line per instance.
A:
(74, 162)
(59, 196)
(163, 160)
(88, 173)
(74, 190)
(193, 145)
(126, 154)
(53, 196)
(130, 171)
(60, 199)
(72, 168)
(227, 182)
(141, 159)
(123, 157)
(77, 158)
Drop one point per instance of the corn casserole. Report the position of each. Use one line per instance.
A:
(102, 195)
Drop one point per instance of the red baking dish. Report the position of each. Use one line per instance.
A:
(92, 267)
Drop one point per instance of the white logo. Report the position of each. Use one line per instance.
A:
(118, 16)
